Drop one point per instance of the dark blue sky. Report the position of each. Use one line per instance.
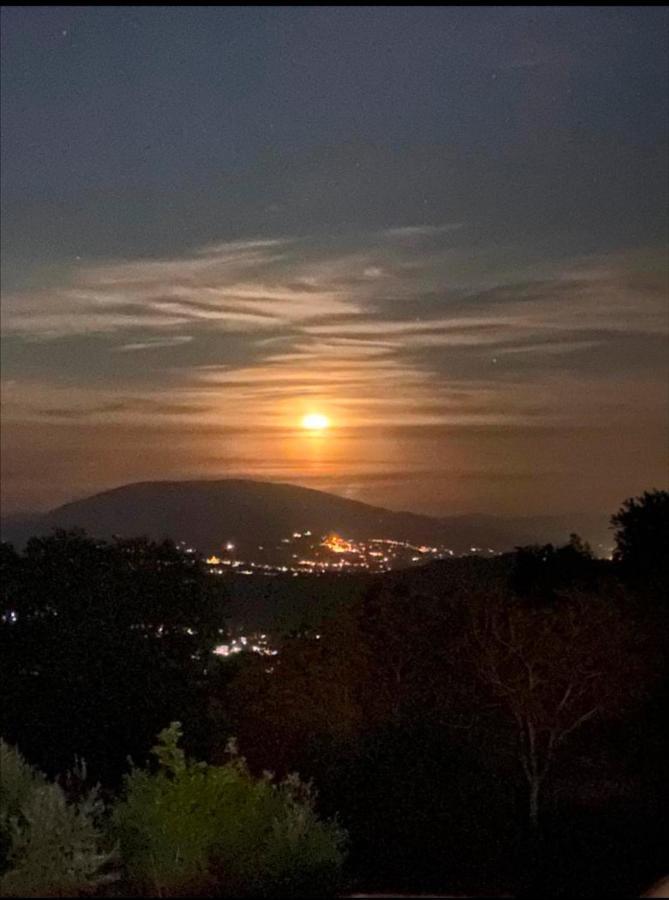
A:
(550, 122)
(497, 171)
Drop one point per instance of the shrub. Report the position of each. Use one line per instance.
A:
(190, 827)
(48, 847)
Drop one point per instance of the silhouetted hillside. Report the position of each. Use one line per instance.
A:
(207, 514)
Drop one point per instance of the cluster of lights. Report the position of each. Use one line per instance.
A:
(253, 644)
(337, 545)
(185, 548)
(331, 553)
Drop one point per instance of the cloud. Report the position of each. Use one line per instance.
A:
(155, 343)
(421, 231)
(379, 332)
(238, 287)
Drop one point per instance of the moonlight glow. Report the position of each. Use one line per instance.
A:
(315, 422)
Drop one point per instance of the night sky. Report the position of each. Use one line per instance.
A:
(443, 228)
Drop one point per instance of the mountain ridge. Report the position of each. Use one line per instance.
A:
(207, 513)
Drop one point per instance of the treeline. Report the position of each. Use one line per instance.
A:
(101, 646)
(479, 725)
(486, 726)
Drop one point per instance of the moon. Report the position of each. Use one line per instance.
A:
(315, 422)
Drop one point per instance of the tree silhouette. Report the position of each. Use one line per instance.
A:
(100, 645)
(542, 571)
(552, 670)
(642, 541)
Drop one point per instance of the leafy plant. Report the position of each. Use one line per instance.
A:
(190, 827)
(50, 847)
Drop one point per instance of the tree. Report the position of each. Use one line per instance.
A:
(49, 846)
(428, 702)
(542, 572)
(383, 661)
(285, 710)
(192, 829)
(100, 645)
(642, 541)
(552, 670)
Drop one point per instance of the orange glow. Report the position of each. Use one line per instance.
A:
(336, 544)
(315, 422)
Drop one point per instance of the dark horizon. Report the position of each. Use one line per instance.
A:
(207, 513)
(480, 513)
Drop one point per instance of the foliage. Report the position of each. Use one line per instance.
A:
(451, 699)
(51, 847)
(190, 827)
(451, 665)
(552, 670)
(131, 621)
(541, 572)
(642, 541)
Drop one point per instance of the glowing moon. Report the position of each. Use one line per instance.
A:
(315, 422)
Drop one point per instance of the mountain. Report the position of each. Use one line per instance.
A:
(207, 514)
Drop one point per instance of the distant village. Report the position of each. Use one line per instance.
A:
(304, 553)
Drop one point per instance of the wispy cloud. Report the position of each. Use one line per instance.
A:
(155, 343)
(238, 287)
(421, 231)
(267, 328)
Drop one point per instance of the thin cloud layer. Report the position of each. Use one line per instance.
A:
(390, 335)
(336, 325)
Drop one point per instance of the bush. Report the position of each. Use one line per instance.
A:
(194, 828)
(48, 847)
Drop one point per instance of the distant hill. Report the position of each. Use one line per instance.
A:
(207, 514)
